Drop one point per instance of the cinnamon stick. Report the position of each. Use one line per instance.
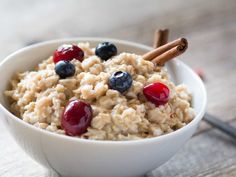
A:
(160, 37)
(168, 55)
(181, 43)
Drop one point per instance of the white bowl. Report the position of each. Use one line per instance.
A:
(74, 157)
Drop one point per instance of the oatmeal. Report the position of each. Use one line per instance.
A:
(99, 94)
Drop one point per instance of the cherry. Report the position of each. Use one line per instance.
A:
(68, 52)
(76, 117)
(156, 93)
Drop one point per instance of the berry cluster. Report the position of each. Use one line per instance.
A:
(77, 115)
(62, 57)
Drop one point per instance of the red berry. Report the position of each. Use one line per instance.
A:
(68, 52)
(76, 117)
(157, 93)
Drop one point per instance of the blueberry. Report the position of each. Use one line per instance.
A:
(64, 69)
(106, 50)
(120, 81)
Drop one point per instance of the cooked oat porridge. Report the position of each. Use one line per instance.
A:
(95, 93)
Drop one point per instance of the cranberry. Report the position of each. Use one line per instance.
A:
(156, 93)
(68, 52)
(76, 117)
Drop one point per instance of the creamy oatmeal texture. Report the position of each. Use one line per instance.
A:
(39, 97)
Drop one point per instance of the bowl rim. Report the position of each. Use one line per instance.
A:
(196, 119)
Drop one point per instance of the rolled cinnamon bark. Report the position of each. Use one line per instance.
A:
(168, 55)
(160, 37)
(181, 42)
